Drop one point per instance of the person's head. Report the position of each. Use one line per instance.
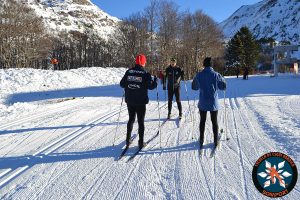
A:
(173, 62)
(207, 62)
(140, 60)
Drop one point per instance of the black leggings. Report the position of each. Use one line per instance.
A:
(214, 120)
(140, 111)
(171, 93)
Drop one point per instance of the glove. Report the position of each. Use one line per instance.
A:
(164, 87)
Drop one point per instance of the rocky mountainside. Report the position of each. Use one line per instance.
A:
(279, 19)
(74, 15)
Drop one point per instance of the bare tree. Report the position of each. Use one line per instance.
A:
(151, 15)
(168, 19)
(134, 37)
(200, 37)
(23, 42)
(160, 32)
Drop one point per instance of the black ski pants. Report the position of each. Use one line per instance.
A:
(171, 92)
(140, 111)
(215, 127)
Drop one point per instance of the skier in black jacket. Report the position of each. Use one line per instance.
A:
(136, 83)
(174, 75)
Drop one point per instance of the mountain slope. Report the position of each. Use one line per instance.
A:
(74, 15)
(279, 19)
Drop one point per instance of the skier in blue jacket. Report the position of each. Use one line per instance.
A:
(208, 82)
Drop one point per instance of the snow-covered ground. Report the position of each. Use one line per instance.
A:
(57, 131)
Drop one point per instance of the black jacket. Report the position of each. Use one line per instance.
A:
(174, 75)
(136, 83)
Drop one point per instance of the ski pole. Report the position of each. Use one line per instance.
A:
(194, 115)
(157, 98)
(163, 79)
(159, 128)
(225, 116)
(187, 96)
(119, 118)
(165, 95)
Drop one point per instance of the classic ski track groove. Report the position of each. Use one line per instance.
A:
(62, 141)
(205, 176)
(42, 114)
(204, 156)
(215, 157)
(235, 142)
(37, 116)
(72, 163)
(241, 160)
(159, 178)
(246, 117)
(103, 174)
(138, 161)
(215, 182)
(114, 164)
(253, 132)
(176, 177)
(127, 179)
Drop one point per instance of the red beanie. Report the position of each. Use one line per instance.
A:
(140, 60)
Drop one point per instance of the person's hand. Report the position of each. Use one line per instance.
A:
(164, 87)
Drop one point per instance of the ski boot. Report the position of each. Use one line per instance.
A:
(142, 145)
(169, 116)
(180, 116)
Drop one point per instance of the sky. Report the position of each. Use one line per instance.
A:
(219, 10)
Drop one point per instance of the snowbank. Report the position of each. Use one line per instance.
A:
(34, 83)
(25, 80)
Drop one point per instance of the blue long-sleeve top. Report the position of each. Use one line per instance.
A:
(208, 82)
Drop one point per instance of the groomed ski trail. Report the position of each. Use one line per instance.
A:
(80, 162)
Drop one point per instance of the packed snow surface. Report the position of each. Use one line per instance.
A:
(57, 131)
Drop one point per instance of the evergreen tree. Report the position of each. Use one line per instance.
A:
(242, 49)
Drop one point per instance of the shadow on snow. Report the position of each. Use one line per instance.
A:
(104, 152)
(4, 132)
(255, 86)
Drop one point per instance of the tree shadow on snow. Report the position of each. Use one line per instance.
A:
(255, 86)
(48, 128)
(104, 152)
(101, 91)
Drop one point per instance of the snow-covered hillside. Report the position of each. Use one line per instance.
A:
(51, 149)
(74, 15)
(279, 19)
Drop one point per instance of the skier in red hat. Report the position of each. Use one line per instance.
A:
(136, 82)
